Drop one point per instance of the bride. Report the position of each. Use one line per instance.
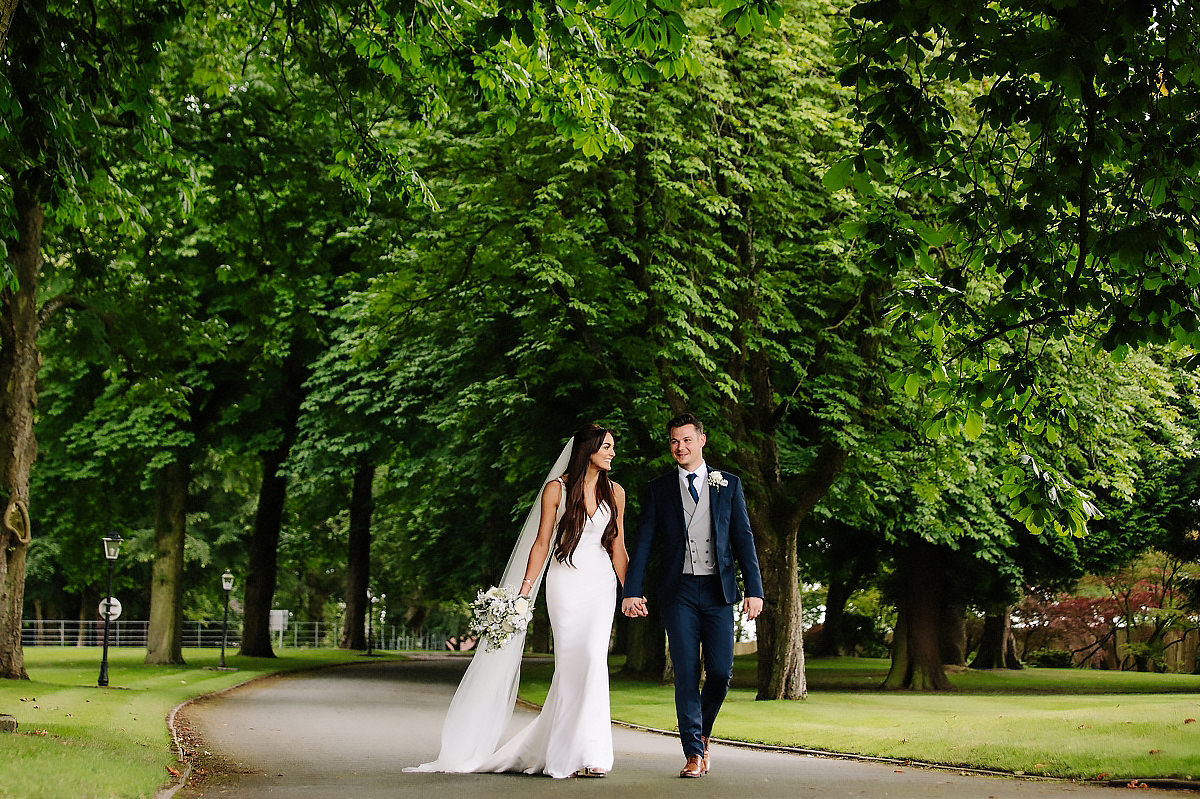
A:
(579, 524)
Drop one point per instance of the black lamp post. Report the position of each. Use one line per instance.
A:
(227, 584)
(112, 548)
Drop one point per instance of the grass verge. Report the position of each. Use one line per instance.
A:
(1051, 722)
(76, 739)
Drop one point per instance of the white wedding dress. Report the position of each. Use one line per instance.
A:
(574, 729)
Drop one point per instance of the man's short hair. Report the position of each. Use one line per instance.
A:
(683, 420)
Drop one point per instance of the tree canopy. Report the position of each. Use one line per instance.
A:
(1056, 147)
(321, 288)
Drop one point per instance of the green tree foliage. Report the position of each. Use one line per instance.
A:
(404, 61)
(76, 100)
(932, 509)
(208, 323)
(83, 83)
(700, 269)
(435, 355)
(348, 429)
(1057, 146)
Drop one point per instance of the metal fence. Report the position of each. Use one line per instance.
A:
(207, 634)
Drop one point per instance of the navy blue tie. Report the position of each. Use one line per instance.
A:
(692, 488)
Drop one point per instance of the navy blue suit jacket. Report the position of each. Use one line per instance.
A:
(662, 520)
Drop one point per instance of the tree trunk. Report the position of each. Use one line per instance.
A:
(264, 559)
(87, 636)
(916, 656)
(832, 640)
(953, 638)
(7, 9)
(268, 520)
(646, 647)
(646, 639)
(358, 557)
(780, 626)
(899, 665)
(852, 556)
(164, 637)
(19, 364)
(778, 507)
(997, 646)
(777, 510)
(1011, 661)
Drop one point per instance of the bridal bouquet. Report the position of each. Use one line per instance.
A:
(499, 613)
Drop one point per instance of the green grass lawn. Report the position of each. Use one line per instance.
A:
(1054, 722)
(81, 741)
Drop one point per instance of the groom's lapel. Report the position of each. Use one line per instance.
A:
(716, 500)
(676, 500)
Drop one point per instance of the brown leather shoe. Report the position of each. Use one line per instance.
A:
(704, 763)
(694, 767)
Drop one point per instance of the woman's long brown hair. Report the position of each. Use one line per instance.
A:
(587, 442)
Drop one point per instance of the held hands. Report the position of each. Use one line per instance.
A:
(634, 606)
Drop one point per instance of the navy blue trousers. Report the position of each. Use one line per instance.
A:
(698, 619)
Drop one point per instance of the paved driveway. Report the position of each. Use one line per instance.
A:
(348, 732)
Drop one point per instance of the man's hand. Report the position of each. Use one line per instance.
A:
(634, 606)
(751, 607)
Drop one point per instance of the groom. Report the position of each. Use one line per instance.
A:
(696, 517)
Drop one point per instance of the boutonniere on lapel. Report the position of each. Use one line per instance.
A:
(717, 480)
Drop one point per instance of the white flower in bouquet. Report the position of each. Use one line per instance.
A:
(499, 613)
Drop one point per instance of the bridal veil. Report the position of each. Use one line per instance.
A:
(483, 704)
